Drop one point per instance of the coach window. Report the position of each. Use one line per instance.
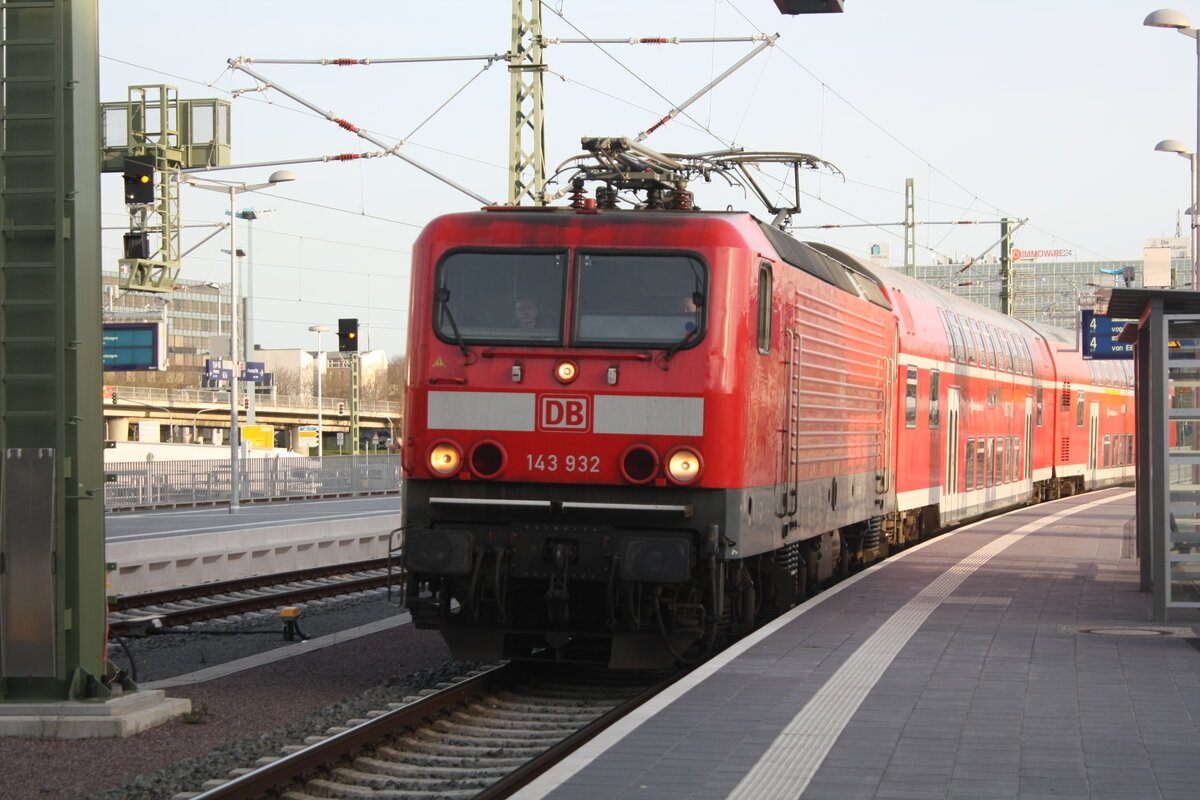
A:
(1079, 408)
(969, 463)
(764, 308)
(960, 344)
(639, 299)
(987, 461)
(981, 460)
(950, 343)
(935, 412)
(1017, 462)
(910, 399)
(1010, 359)
(969, 339)
(500, 296)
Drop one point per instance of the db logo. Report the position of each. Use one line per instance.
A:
(564, 413)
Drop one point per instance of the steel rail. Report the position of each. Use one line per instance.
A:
(201, 590)
(228, 608)
(278, 775)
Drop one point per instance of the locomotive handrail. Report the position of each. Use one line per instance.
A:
(686, 510)
(559, 354)
(487, 501)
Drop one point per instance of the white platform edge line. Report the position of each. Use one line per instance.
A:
(278, 654)
(560, 773)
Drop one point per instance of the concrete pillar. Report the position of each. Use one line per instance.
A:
(293, 441)
(116, 429)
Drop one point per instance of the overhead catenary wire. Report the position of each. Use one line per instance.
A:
(393, 150)
(366, 62)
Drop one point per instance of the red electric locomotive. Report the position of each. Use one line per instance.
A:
(630, 434)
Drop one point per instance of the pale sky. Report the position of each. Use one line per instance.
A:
(1029, 109)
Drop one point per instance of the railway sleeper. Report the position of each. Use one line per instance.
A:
(417, 772)
(377, 781)
(400, 757)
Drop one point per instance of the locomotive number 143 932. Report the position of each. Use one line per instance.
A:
(548, 462)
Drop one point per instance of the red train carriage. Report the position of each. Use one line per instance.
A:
(678, 437)
(997, 413)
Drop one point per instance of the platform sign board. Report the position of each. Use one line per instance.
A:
(308, 436)
(221, 369)
(1100, 337)
(258, 435)
(134, 346)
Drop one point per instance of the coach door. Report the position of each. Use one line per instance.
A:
(787, 485)
(1027, 452)
(951, 497)
(1093, 440)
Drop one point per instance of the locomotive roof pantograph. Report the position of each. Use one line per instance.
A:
(628, 168)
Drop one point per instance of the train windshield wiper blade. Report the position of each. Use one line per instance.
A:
(443, 297)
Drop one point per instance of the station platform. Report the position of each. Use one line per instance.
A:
(1012, 658)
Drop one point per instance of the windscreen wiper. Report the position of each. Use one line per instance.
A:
(443, 297)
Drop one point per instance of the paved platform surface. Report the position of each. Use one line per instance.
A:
(1014, 658)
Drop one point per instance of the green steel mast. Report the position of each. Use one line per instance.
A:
(527, 162)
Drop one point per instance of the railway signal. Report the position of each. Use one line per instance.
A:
(139, 181)
(348, 335)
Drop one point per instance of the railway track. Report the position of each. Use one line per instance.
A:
(481, 737)
(139, 613)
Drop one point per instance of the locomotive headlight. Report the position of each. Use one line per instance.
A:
(684, 465)
(566, 371)
(445, 458)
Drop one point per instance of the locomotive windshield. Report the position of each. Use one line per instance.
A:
(618, 300)
(501, 297)
(648, 300)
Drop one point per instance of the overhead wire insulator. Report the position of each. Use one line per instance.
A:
(578, 193)
(682, 199)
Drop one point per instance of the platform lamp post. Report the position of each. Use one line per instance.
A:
(250, 214)
(318, 330)
(233, 190)
(1177, 147)
(1170, 18)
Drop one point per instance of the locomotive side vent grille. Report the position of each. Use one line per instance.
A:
(1066, 448)
(1066, 396)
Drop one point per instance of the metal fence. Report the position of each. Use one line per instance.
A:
(215, 396)
(141, 484)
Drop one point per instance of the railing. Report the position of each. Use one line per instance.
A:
(199, 396)
(141, 484)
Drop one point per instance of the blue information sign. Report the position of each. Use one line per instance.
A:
(220, 369)
(1099, 337)
(131, 346)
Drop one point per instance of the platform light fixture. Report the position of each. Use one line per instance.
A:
(233, 190)
(1170, 18)
(1178, 148)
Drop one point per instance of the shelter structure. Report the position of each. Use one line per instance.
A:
(1165, 330)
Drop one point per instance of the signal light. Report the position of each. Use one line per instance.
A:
(348, 335)
(246, 402)
(139, 181)
(341, 408)
(137, 244)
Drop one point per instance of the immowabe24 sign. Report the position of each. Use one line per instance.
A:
(1099, 337)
